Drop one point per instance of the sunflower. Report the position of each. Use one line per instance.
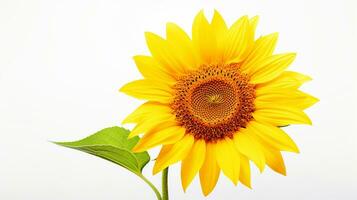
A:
(217, 100)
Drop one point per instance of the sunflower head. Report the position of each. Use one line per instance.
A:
(214, 102)
(217, 100)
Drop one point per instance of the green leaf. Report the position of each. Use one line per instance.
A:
(112, 144)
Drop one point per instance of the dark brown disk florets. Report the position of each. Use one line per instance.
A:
(214, 102)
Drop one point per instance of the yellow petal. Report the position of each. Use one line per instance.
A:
(149, 123)
(150, 69)
(253, 22)
(220, 30)
(193, 163)
(288, 98)
(307, 100)
(249, 147)
(168, 135)
(218, 25)
(244, 175)
(287, 80)
(145, 110)
(204, 39)
(228, 159)
(183, 46)
(176, 153)
(209, 173)
(262, 48)
(250, 37)
(280, 115)
(147, 89)
(164, 54)
(275, 160)
(273, 157)
(274, 136)
(236, 40)
(270, 67)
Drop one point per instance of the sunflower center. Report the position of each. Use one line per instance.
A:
(214, 102)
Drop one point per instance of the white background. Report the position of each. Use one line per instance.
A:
(62, 62)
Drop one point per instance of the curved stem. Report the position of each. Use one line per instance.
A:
(157, 193)
(165, 188)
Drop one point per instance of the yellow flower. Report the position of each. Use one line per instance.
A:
(217, 100)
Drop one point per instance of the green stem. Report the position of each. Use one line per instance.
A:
(165, 188)
(158, 195)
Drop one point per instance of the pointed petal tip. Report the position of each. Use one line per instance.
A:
(288, 56)
(206, 192)
(124, 88)
(150, 36)
(216, 16)
(315, 99)
(274, 35)
(208, 189)
(283, 173)
(261, 168)
(255, 19)
(140, 146)
(235, 182)
(184, 186)
(245, 19)
(308, 121)
(131, 136)
(156, 169)
(169, 25)
(280, 171)
(136, 148)
(216, 13)
(127, 120)
(200, 13)
(121, 89)
(147, 33)
(307, 78)
(248, 185)
(296, 150)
